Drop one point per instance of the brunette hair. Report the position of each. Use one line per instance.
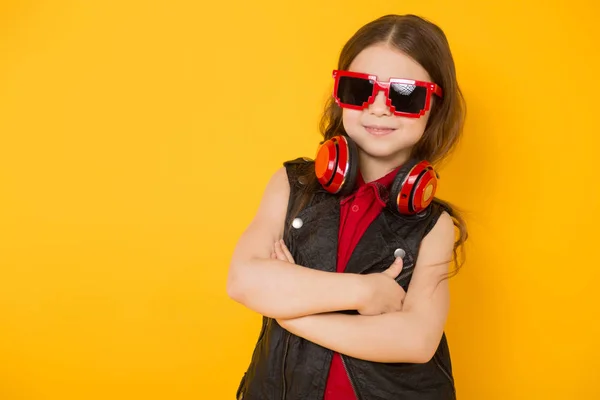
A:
(426, 43)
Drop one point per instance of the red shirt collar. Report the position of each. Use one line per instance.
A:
(380, 187)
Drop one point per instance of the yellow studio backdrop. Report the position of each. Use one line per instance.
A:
(137, 138)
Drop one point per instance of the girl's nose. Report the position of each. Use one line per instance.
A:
(379, 106)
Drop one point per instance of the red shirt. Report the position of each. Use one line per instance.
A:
(357, 211)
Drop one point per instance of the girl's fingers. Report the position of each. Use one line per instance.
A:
(279, 252)
(287, 253)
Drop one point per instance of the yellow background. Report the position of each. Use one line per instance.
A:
(136, 140)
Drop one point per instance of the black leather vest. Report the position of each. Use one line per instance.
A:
(287, 367)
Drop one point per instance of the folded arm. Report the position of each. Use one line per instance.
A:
(280, 289)
(410, 335)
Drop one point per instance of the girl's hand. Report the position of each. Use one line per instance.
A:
(281, 252)
(383, 293)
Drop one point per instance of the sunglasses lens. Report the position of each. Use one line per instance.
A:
(408, 98)
(354, 91)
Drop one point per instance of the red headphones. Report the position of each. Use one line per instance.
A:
(336, 169)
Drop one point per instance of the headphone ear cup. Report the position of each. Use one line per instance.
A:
(336, 164)
(414, 188)
(350, 181)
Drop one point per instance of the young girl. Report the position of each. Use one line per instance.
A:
(366, 207)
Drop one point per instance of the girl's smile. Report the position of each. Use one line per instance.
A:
(377, 130)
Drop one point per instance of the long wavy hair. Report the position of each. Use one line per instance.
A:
(427, 44)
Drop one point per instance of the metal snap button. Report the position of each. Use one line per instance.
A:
(297, 223)
(399, 253)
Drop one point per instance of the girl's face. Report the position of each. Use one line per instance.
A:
(377, 132)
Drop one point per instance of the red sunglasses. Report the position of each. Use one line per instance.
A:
(407, 97)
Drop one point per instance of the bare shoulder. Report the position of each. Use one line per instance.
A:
(443, 231)
(278, 184)
(437, 246)
(268, 222)
(273, 205)
(274, 202)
